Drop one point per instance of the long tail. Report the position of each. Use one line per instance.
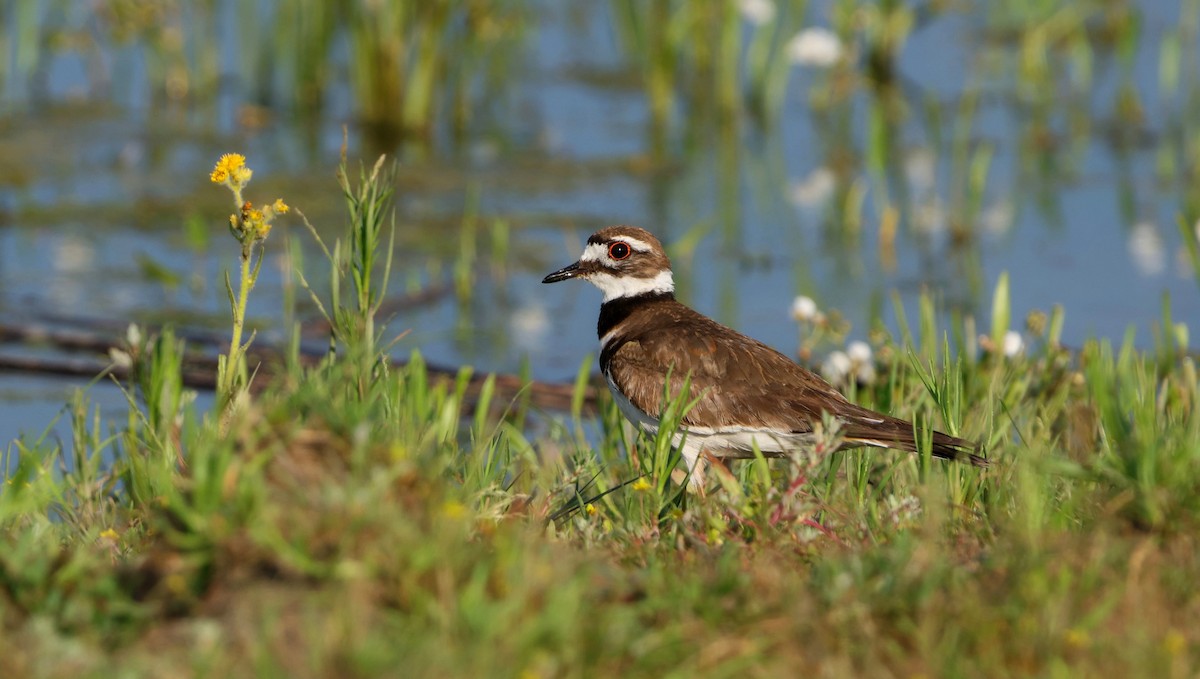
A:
(896, 433)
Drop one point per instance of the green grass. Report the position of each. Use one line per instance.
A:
(360, 518)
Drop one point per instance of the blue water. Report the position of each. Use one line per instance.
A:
(561, 156)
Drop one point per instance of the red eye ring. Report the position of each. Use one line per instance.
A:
(619, 250)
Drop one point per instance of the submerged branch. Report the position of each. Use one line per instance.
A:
(199, 370)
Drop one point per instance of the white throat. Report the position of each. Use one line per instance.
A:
(616, 287)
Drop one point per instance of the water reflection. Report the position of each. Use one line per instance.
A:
(973, 153)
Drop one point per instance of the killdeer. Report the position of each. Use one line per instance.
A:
(747, 394)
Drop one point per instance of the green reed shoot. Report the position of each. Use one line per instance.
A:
(362, 257)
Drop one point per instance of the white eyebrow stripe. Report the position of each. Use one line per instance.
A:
(639, 245)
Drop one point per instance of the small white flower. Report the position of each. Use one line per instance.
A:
(997, 218)
(818, 47)
(529, 324)
(864, 373)
(836, 367)
(929, 217)
(815, 189)
(133, 335)
(804, 308)
(757, 12)
(1146, 248)
(859, 351)
(120, 358)
(920, 167)
(861, 361)
(1013, 344)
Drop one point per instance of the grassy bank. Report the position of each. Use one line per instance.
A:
(361, 519)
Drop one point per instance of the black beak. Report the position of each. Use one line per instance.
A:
(563, 274)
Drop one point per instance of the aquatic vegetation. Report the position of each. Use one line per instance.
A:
(403, 61)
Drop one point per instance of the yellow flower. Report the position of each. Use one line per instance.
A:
(1077, 638)
(715, 537)
(240, 175)
(590, 509)
(280, 207)
(641, 484)
(258, 224)
(228, 163)
(109, 534)
(176, 583)
(254, 223)
(1175, 642)
(454, 510)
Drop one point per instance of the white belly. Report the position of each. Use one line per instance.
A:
(737, 442)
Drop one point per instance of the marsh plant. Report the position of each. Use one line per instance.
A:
(361, 259)
(411, 66)
(250, 227)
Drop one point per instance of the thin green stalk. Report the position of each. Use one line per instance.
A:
(236, 350)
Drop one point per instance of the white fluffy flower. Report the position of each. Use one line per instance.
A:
(920, 168)
(836, 367)
(133, 335)
(529, 324)
(929, 217)
(815, 189)
(757, 12)
(1013, 344)
(120, 358)
(804, 308)
(818, 47)
(862, 361)
(1146, 248)
(859, 351)
(997, 218)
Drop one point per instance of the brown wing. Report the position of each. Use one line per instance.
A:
(739, 381)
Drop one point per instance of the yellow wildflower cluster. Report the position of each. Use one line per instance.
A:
(256, 223)
(231, 169)
(253, 222)
(249, 224)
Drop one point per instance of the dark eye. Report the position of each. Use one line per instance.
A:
(618, 250)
